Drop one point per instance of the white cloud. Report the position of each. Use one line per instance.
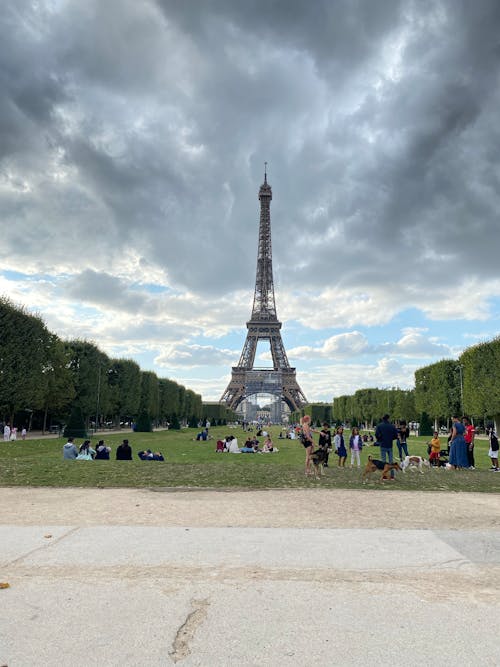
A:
(132, 142)
(339, 346)
(191, 356)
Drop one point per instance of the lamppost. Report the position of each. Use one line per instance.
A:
(460, 369)
(98, 395)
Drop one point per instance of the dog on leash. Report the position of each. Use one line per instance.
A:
(415, 463)
(375, 465)
(318, 459)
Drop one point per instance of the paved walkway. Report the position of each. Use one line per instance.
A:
(91, 593)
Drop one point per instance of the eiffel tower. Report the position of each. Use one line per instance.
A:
(280, 380)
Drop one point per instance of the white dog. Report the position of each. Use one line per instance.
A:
(415, 463)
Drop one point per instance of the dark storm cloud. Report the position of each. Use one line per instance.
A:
(142, 128)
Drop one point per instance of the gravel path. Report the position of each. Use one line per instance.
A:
(312, 508)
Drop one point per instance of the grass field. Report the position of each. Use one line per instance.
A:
(195, 464)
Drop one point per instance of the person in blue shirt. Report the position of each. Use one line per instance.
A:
(386, 433)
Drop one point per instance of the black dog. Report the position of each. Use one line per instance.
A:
(318, 458)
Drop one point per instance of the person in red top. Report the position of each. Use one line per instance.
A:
(469, 441)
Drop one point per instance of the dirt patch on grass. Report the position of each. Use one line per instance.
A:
(306, 508)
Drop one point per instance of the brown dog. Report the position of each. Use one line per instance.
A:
(318, 459)
(375, 465)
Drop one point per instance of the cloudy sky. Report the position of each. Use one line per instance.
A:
(133, 135)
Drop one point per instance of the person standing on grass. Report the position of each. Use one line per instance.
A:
(307, 441)
(325, 442)
(469, 436)
(493, 453)
(338, 442)
(386, 433)
(458, 446)
(401, 442)
(355, 445)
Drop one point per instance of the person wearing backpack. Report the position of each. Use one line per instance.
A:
(493, 453)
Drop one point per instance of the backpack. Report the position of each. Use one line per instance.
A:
(494, 443)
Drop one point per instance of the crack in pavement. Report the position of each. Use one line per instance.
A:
(42, 547)
(185, 634)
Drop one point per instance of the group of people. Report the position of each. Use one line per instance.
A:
(460, 444)
(326, 443)
(251, 446)
(102, 451)
(10, 433)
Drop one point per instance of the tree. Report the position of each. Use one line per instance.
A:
(89, 368)
(124, 379)
(182, 401)
(404, 405)
(75, 427)
(367, 403)
(437, 390)
(343, 408)
(193, 404)
(169, 398)
(320, 412)
(25, 345)
(425, 425)
(143, 424)
(216, 412)
(149, 394)
(481, 378)
(59, 387)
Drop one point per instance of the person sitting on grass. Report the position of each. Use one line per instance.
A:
(435, 449)
(232, 445)
(249, 447)
(70, 450)
(255, 444)
(86, 452)
(124, 452)
(268, 446)
(102, 452)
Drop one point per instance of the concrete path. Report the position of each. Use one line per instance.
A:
(218, 595)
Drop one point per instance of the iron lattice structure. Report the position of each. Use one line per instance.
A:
(280, 380)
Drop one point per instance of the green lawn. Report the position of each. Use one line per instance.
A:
(195, 464)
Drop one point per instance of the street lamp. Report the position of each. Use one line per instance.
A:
(98, 395)
(460, 369)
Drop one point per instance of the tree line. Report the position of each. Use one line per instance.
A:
(469, 385)
(368, 405)
(42, 378)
